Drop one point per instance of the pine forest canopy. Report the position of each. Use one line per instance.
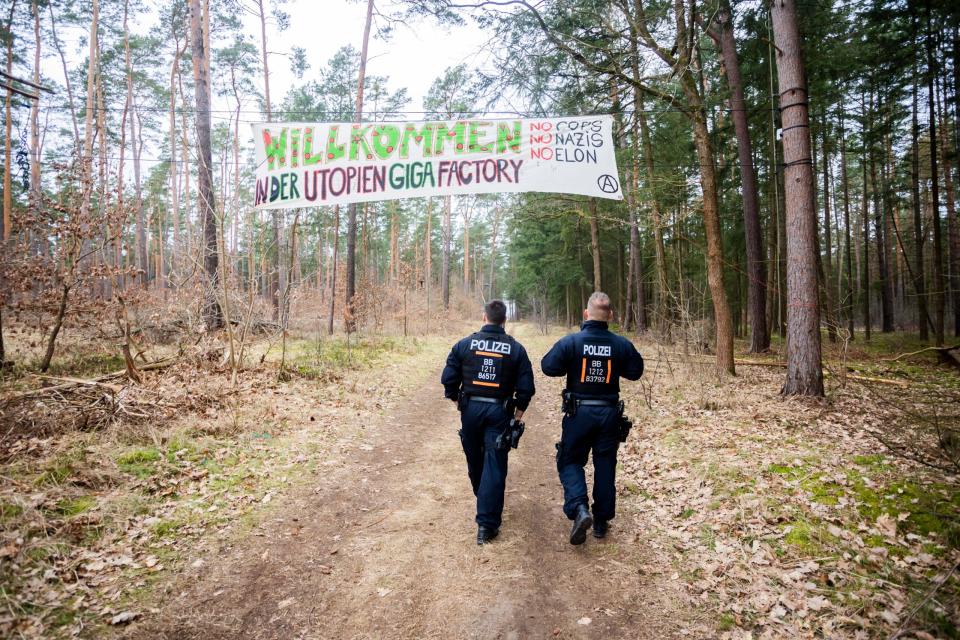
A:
(780, 168)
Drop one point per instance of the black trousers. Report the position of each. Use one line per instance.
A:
(596, 430)
(481, 424)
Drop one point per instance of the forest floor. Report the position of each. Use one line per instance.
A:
(336, 504)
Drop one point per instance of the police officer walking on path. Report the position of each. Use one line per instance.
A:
(593, 360)
(489, 376)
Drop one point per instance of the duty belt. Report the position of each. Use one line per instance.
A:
(587, 402)
(486, 399)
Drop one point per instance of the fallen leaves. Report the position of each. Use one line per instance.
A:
(63, 571)
(756, 507)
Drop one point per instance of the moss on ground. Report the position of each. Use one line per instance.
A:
(68, 507)
(139, 462)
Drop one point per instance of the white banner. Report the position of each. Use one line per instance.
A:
(307, 164)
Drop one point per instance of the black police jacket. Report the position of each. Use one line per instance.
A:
(593, 359)
(489, 363)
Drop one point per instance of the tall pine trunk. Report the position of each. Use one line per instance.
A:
(953, 232)
(352, 208)
(711, 223)
(804, 367)
(826, 261)
(8, 131)
(919, 285)
(212, 311)
(848, 303)
(661, 300)
(595, 244)
(938, 282)
(756, 269)
(445, 232)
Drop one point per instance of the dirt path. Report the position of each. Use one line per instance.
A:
(383, 547)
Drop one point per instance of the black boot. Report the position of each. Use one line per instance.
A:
(600, 529)
(486, 534)
(578, 535)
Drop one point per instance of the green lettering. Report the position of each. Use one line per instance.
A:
(359, 143)
(295, 147)
(458, 132)
(423, 137)
(275, 149)
(334, 151)
(385, 139)
(309, 157)
(506, 138)
(476, 132)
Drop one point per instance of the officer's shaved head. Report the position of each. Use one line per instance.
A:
(598, 307)
(495, 312)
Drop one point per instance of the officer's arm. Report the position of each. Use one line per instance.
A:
(525, 388)
(555, 363)
(632, 367)
(451, 378)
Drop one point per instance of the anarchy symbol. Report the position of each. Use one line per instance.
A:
(608, 184)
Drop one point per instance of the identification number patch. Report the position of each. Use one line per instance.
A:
(596, 370)
(488, 373)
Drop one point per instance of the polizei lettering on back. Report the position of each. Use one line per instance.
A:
(598, 350)
(490, 345)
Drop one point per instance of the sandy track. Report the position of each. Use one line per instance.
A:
(384, 547)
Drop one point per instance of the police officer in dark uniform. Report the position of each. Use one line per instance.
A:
(593, 361)
(489, 376)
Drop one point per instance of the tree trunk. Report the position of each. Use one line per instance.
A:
(493, 252)
(827, 260)
(848, 304)
(595, 244)
(8, 120)
(141, 232)
(428, 253)
(36, 191)
(661, 296)
(394, 243)
(883, 253)
(333, 268)
(938, 283)
(804, 372)
(919, 285)
(466, 254)
(352, 208)
(865, 281)
(889, 216)
(212, 312)
(711, 223)
(955, 238)
(756, 270)
(174, 170)
(66, 76)
(58, 320)
(86, 159)
(446, 232)
(953, 232)
(273, 288)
